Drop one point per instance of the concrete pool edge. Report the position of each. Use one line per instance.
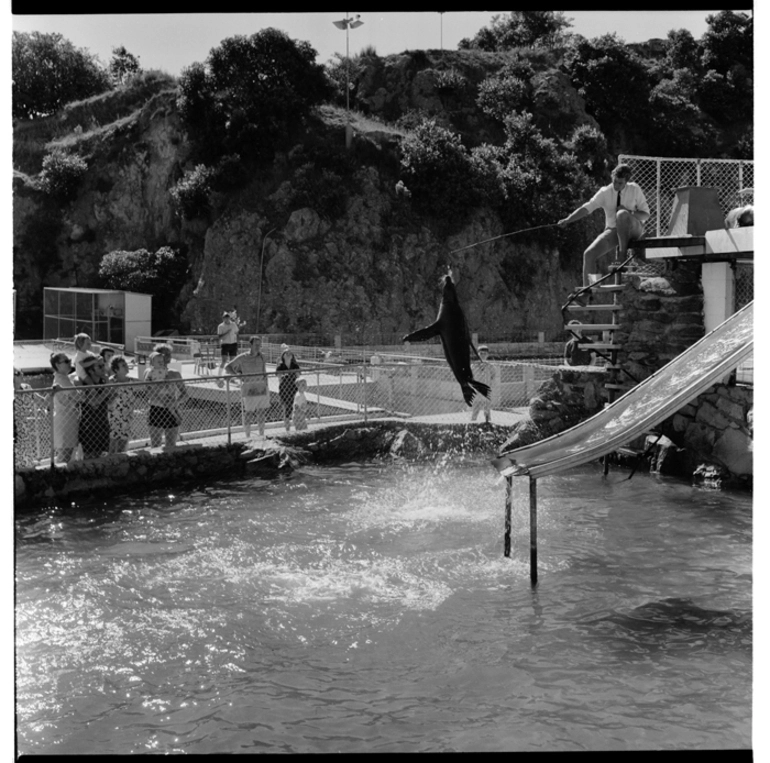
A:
(152, 468)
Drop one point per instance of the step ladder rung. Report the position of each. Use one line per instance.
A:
(610, 287)
(624, 387)
(592, 327)
(601, 345)
(594, 308)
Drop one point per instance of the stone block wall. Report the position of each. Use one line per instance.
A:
(715, 434)
(136, 470)
(662, 316)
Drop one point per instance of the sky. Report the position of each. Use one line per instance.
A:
(171, 41)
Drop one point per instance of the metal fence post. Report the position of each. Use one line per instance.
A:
(508, 504)
(363, 379)
(657, 198)
(50, 416)
(227, 407)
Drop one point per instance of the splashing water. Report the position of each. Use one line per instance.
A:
(367, 607)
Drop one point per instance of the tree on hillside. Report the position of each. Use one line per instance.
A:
(615, 84)
(123, 65)
(684, 51)
(728, 42)
(49, 71)
(251, 95)
(726, 89)
(519, 29)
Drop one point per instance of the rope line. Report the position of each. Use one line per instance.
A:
(504, 235)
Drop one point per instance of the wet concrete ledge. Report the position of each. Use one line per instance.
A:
(151, 468)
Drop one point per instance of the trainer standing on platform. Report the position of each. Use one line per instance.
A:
(227, 332)
(625, 212)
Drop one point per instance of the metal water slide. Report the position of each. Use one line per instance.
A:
(641, 408)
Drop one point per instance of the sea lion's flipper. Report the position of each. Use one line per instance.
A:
(468, 393)
(481, 387)
(471, 388)
(422, 335)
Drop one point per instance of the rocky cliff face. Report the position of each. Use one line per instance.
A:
(373, 269)
(354, 275)
(122, 203)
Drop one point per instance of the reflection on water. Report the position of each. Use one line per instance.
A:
(366, 608)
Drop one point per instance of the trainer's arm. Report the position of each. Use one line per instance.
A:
(578, 214)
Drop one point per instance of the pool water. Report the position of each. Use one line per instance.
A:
(369, 608)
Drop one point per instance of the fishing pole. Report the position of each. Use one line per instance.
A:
(504, 235)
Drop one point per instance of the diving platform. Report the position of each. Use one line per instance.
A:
(713, 246)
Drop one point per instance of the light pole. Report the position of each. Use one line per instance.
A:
(441, 13)
(348, 24)
(259, 290)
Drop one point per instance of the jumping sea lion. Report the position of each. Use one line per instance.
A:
(450, 325)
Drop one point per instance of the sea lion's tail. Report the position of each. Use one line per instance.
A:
(472, 387)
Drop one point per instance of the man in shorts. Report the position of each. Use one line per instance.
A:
(255, 393)
(227, 332)
(483, 371)
(625, 212)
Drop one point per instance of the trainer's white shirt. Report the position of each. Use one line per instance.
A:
(606, 198)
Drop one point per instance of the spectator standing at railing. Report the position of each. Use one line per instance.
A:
(94, 429)
(300, 406)
(82, 350)
(66, 407)
(227, 333)
(24, 412)
(288, 371)
(164, 418)
(255, 393)
(120, 406)
(167, 351)
(485, 372)
(108, 354)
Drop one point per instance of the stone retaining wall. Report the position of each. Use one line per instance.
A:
(134, 471)
(188, 464)
(714, 435)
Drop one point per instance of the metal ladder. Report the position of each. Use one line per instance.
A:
(615, 384)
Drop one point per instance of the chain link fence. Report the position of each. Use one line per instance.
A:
(57, 425)
(660, 177)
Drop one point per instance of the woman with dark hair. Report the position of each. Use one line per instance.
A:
(66, 408)
(94, 421)
(287, 370)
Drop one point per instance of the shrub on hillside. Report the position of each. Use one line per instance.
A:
(143, 271)
(61, 174)
(450, 80)
(191, 194)
(500, 95)
(438, 170)
(590, 148)
(162, 274)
